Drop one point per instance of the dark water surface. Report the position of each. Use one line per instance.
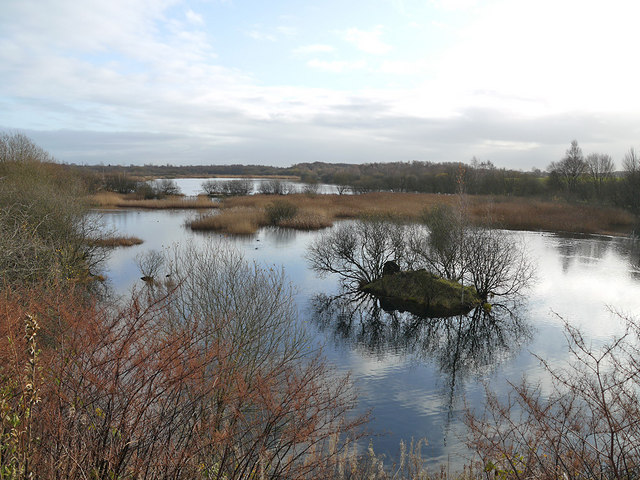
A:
(414, 374)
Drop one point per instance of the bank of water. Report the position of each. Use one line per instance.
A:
(413, 375)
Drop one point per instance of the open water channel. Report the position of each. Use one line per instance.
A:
(415, 376)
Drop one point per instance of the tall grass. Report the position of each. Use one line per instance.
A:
(117, 200)
(521, 214)
(238, 220)
(114, 241)
(320, 211)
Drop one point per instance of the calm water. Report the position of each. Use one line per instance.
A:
(193, 186)
(413, 374)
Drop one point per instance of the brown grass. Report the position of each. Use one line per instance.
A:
(403, 206)
(511, 213)
(307, 220)
(238, 220)
(113, 242)
(116, 200)
(523, 214)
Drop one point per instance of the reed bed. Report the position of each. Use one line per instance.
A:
(403, 206)
(511, 213)
(115, 200)
(112, 242)
(521, 214)
(237, 220)
(307, 220)
(245, 215)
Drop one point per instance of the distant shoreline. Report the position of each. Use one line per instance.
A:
(513, 213)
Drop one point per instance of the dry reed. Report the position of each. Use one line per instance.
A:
(521, 214)
(307, 220)
(112, 242)
(511, 213)
(239, 220)
(115, 200)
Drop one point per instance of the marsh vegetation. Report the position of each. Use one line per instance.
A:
(321, 211)
(209, 368)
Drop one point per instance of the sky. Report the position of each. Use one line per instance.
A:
(280, 82)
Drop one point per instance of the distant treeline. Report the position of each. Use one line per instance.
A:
(575, 177)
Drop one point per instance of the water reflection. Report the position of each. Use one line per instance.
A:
(462, 346)
(590, 250)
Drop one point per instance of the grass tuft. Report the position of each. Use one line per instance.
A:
(239, 221)
(307, 220)
(112, 242)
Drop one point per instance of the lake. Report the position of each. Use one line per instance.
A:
(193, 186)
(414, 375)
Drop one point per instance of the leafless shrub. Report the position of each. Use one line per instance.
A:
(241, 186)
(440, 249)
(587, 427)
(492, 260)
(496, 263)
(166, 186)
(150, 264)
(357, 251)
(192, 380)
(44, 225)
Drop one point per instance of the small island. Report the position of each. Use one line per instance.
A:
(423, 293)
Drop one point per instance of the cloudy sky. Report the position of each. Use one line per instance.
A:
(285, 81)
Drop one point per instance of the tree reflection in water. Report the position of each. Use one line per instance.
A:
(461, 346)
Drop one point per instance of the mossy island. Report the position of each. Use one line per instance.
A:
(423, 293)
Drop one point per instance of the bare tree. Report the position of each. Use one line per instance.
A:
(166, 186)
(44, 224)
(440, 248)
(18, 147)
(600, 167)
(631, 193)
(150, 264)
(571, 167)
(496, 263)
(358, 251)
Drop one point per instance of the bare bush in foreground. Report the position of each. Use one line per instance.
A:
(188, 380)
(588, 427)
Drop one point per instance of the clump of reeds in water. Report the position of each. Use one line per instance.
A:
(112, 242)
(115, 200)
(306, 220)
(239, 221)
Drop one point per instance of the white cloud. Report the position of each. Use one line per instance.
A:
(336, 66)
(258, 35)
(404, 67)
(194, 18)
(315, 48)
(368, 41)
(287, 31)
(508, 87)
(453, 5)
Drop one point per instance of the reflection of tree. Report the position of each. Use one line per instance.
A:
(461, 346)
(585, 250)
(629, 248)
(588, 250)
